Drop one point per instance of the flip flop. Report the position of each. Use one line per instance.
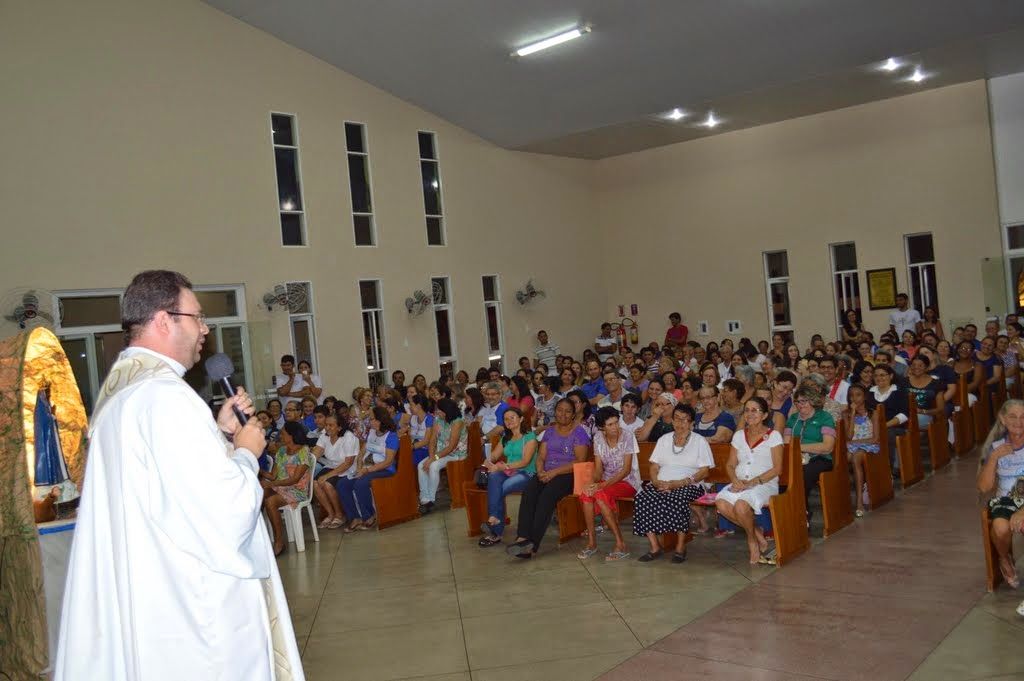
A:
(767, 560)
(650, 555)
(586, 553)
(1011, 579)
(325, 523)
(489, 540)
(679, 557)
(1020, 609)
(336, 523)
(616, 555)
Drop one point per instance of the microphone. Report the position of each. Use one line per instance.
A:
(219, 368)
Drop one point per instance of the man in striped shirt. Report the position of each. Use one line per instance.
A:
(546, 353)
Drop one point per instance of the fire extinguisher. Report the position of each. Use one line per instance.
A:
(634, 333)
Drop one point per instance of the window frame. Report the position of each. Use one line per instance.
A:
(440, 189)
(837, 273)
(911, 275)
(374, 236)
(496, 304)
(768, 281)
(304, 213)
(378, 314)
(449, 308)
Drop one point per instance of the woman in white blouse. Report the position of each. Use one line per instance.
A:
(755, 462)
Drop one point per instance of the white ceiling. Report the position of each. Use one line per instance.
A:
(752, 61)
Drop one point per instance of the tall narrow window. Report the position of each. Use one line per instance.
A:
(924, 292)
(300, 322)
(845, 282)
(492, 320)
(776, 279)
(289, 190)
(373, 331)
(359, 183)
(430, 170)
(443, 322)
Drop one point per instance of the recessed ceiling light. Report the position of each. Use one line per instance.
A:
(890, 65)
(917, 76)
(565, 37)
(674, 115)
(710, 121)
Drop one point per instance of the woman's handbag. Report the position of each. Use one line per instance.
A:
(480, 477)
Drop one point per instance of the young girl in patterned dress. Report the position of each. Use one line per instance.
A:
(863, 439)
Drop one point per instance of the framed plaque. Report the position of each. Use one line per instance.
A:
(882, 288)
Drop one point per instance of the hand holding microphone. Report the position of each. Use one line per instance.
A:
(237, 408)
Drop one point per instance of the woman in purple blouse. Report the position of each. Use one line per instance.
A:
(563, 445)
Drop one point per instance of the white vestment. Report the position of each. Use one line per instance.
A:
(172, 575)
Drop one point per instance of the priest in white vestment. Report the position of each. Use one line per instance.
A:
(172, 574)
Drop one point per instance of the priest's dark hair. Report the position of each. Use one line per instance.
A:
(150, 292)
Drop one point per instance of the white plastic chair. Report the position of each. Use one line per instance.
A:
(293, 519)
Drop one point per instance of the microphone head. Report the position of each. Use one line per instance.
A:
(219, 366)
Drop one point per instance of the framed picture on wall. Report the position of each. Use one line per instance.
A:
(882, 288)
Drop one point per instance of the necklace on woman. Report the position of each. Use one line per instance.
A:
(680, 449)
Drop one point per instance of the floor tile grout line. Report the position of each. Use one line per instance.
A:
(739, 664)
(915, 599)
(458, 599)
(943, 640)
(555, 659)
(320, 600)
(612, 603)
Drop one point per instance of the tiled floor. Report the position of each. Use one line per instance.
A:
(898, 595)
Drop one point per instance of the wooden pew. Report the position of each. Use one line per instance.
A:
(964, 423)
(938, 442)
(908, 448)
(999, 398)
(877, 471)
(993, 576)
(461, 472)
(834, 486)
(980, 414)
(395, 497)
(788, 509)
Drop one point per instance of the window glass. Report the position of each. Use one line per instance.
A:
(90, 311)
(354, 137)
(777, 264)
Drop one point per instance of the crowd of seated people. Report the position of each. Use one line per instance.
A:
(556, 409)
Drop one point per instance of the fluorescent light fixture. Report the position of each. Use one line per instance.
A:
(674, 115)
(890, 65)
(492, 358)
(917, 76)
(552, 41)
(711, 121)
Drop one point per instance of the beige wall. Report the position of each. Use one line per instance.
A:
(137, 135)
(701, 213)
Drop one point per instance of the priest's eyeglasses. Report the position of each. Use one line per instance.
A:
(198, 316)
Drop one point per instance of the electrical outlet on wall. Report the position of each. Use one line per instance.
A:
(733, 326)
(703, 328)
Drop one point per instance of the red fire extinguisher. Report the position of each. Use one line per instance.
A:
(634, 333)
(621, 331)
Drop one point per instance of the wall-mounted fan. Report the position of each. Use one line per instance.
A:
(291, 297)
(528, 293)
(26, 308)
(418, 303)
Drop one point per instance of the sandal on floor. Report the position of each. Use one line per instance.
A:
(353, 527)
(859, 513)
(650, 555)
(489, 540)
(616, 555)
(1020, 609)
(767, 560)
(325, 523)
(336, 523)
(586, 553)
(278, 552)
(679, 557)
(1012, 580)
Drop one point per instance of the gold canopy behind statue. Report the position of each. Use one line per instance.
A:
(29, 362)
